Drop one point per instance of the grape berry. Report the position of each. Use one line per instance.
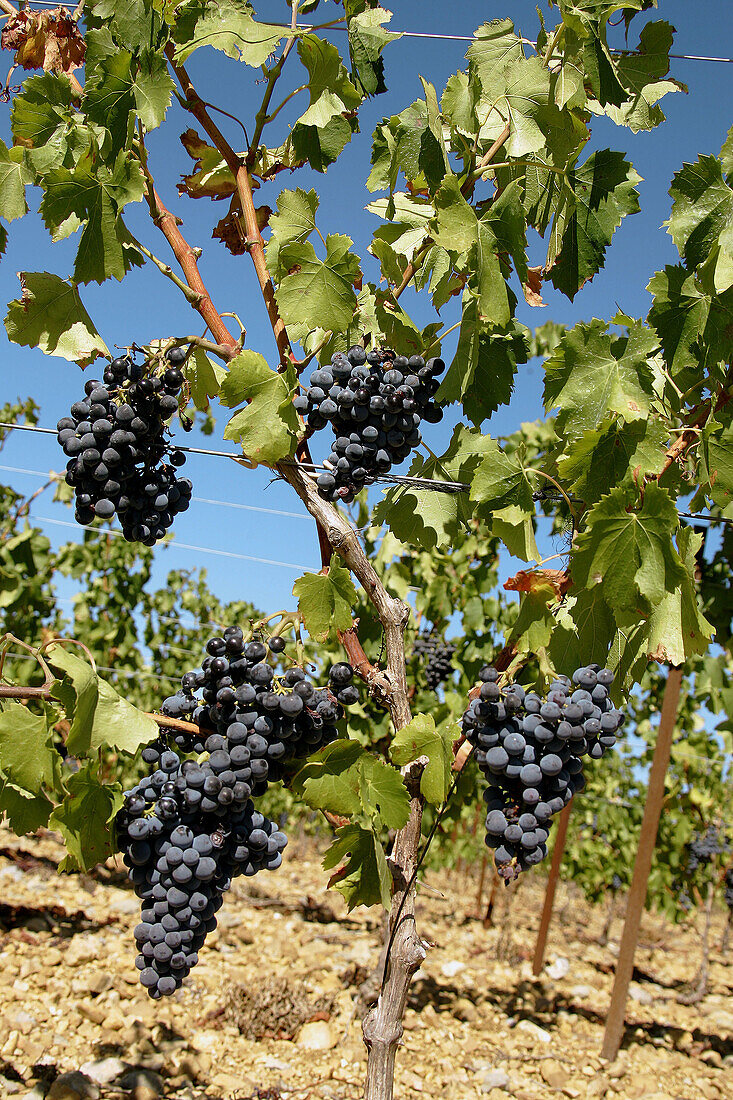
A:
(375, 402)
(119, 459)
(189, 827)
(530, 749)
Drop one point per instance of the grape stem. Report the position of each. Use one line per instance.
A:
(23, 693)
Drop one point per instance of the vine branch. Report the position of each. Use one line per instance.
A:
(20, 692)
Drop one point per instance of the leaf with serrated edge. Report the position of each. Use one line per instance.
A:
(26, 750)
(152, 88)
(591, 373)
(227, 26)
(24, 813)
(433, 519)
(319, 292)
(14, 175)
(84, 818)
(267, 428)
(346, 779)
(701, 221)
(50, 316)
(101, 716)
(614, 454)
(630, 553)
(204, 376)
(325, 600)
(364, 877)
(420, 737)
(677, 627)
(294, 220)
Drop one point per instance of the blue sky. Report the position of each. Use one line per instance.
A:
(147, 306)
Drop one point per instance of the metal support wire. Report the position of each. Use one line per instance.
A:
(425, 484)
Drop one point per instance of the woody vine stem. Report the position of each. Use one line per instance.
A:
(382, 1027)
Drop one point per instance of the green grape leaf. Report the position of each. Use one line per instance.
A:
(326, 71)
(268, 427)
(589, 205)
(320, 135)
(328, 780)
(323, 130)
(630, 553)
(227, 25)
(481, 374)
(41, 110)
(346, 779)
(92, 195)
(100, 716)
(204, 376)
(518, 93)
(84, 819)
(641, 72)
(411, 143)
(367, 39)
(363, 875)
(14, 175)
(533, 628)
(500, 483)
(591, 373)
(50, 316)
(495, 46)
(502, 496)
(109, 97)
(134, 24)
(294, 220)
(677, 627)
(24, 813)
(429, 519)
(152, 88)
(325, 600)
(26, 749)
(726, 154)
(421, 737)
(716, 462)
(613, 454)
(701, 222)
(692, 324)
(583, 631)
(319, 293)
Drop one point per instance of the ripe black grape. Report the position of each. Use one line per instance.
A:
(705, 847)
(438, 656)
(530, 749)
(190, 826)
(375, 402)
(119, 458)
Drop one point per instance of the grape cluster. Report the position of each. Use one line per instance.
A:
(530, 749)
(189, 827)
(246, 709)
(119, 458)
(728, 888)
(438, 655)
(707, 846)
(375, 402)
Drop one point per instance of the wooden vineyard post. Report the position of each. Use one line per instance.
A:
(642, 866)
(557, 854)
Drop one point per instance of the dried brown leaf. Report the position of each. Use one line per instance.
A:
(48, 40)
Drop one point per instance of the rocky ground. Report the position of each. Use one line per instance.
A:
(270, 1013)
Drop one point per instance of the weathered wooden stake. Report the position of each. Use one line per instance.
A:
(642, 866)
(557, 854)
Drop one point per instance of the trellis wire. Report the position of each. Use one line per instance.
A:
(424, 483)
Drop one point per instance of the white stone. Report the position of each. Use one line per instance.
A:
(558, 969)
